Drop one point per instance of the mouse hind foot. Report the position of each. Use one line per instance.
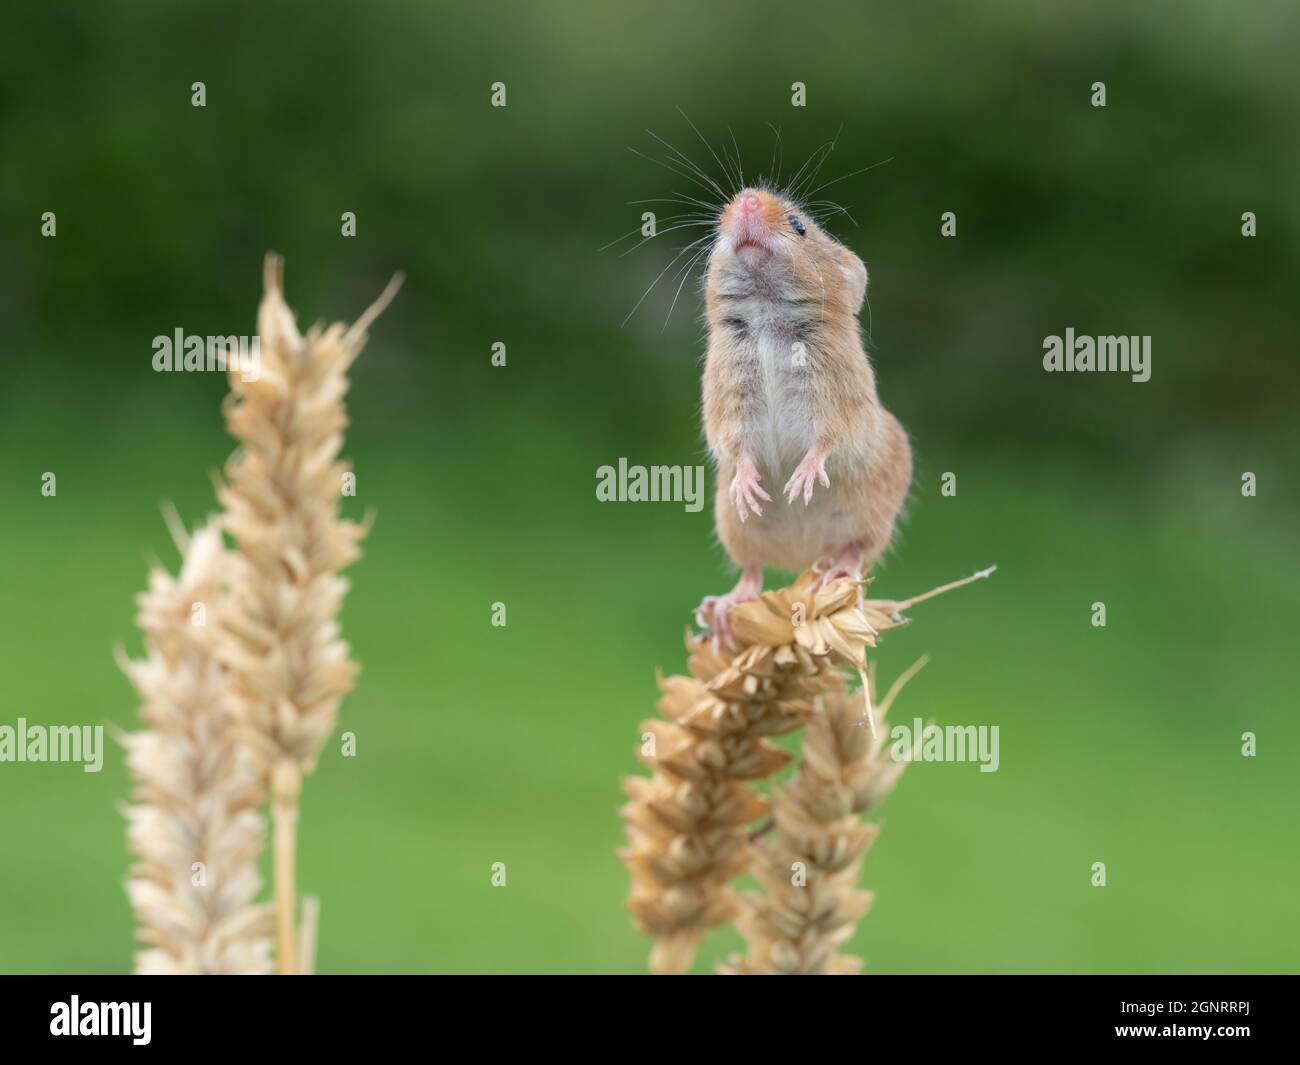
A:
(849, 564)
(712, 615)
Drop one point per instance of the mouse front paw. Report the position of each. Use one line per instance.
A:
(811, 471)
(745, 491)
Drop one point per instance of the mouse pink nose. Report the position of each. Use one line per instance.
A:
(749, 203)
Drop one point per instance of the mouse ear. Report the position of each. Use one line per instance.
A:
(855, 273)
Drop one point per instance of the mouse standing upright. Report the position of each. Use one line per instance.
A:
(790, 398)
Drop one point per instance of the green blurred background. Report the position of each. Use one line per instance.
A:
(478, 744)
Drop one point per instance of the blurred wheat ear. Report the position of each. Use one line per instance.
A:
(193, 824)
(690, 825)
(287, 666)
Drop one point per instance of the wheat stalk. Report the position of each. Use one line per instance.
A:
(289, 669)
(194, 826)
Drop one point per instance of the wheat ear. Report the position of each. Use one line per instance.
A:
(288, 666)
(193, 826)
(809, 868)
(688, 823)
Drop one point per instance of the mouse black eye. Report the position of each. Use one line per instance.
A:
(798, 226)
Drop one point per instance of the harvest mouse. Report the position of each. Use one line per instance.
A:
(790, 399)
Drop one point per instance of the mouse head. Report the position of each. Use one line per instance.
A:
(768, 242)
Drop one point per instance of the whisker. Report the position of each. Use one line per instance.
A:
(677, 197)
(726, 173)
(690, 163)
(739, 169)
(797, 176)
(825, 208)
(774, 167)
(835, 140)
(619, 240)
(686, 272)
(855, 173)
(672, 169)
(697, 219)
(676, 259)
(663, 232)
(808, 172)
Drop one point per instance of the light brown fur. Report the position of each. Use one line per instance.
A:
(770, 402)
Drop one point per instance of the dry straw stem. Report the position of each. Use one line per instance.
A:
(193, 826)
(688, 824)
(289, 668)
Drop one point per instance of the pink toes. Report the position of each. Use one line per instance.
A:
(746, 491)
(811, 471)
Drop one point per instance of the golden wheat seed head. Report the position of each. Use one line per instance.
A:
(193, 824)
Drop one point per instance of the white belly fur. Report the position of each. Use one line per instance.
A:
(783, 429)
(780, 435)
